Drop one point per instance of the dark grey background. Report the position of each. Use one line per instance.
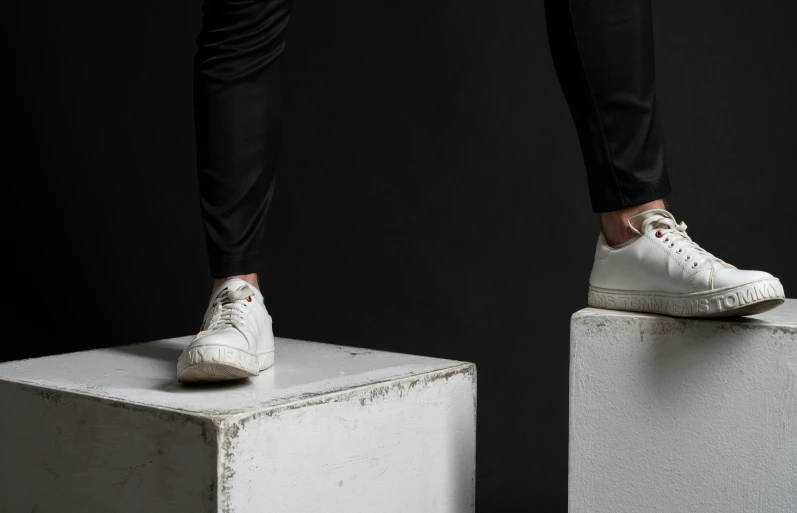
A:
(431, 196)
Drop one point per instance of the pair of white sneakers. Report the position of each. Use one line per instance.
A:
(661, 270)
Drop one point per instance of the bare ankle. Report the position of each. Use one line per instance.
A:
(615, 224)
(248, 278)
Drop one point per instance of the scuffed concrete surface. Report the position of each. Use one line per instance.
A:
(67, 453)
(392, 446)
(671, 414)
(112, 430)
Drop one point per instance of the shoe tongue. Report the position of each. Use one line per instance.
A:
(230, 287)
(656, 223)
(653, 220)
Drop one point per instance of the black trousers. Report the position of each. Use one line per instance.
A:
(602, 52)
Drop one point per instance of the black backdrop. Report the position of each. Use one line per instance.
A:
(431, 196)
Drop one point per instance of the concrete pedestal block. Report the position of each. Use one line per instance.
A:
(678, 416)
(328, 429)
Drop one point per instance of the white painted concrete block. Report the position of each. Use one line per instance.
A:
(328, 429)
(678, 416)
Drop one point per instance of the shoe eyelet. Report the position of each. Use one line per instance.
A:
(672, 244)
(659, 234)
(695, 264)
(249, 299)
(679, 250)
(688, 258)
(214, 305)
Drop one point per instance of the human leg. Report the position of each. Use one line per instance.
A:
(644, 260)
(237, 125)
(238, 121)
(603, 56)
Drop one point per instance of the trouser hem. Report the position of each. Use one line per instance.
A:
(223, 267)
(631, 196)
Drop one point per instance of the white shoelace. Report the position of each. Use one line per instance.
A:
(674, 233)
(230, 311)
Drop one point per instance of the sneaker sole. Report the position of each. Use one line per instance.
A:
(748, 299)
(220, 363)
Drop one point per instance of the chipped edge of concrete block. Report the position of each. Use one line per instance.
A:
(227, 427)
(56, 395)
(221, 430)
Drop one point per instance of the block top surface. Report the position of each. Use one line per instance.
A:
(784, 316)
(146, 374)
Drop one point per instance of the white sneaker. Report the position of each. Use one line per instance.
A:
(663, 271)
(235, 340)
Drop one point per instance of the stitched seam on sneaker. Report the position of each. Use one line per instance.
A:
(607, 250)
(603, 248)
(710, 287)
